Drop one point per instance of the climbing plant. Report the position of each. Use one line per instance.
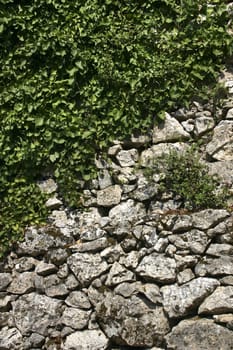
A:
(77, 74)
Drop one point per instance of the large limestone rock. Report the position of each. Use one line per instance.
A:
(158, 268)
(219, 302)
(179, 301)
(86, 267)
(199, 334)
(169, 130)
(221, 145)
(131, 321)
(36, 313)
(86, 340)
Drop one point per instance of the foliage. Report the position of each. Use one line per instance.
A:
(186, 176)
(77, 74)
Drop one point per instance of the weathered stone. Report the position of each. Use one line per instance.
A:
(112, 253)
(188, 125)
(57, 256)
(229, 114)
(199, 334)
(127, 158)
(5, 319)
(25, 264)
(227, 280)
(127, 289)
(86, 267)
(54, 287)
(182, 223)
(185, 276)
(179, 301)
(86, 340)
(130, 260)
(119, 274)
(109, 196)
(184, 262)
(226, 319)
(169, 130)
(223, 169)
(92, 246)
(217, 250)
(220, 147)
(131, 321)
(71, 282)
(151, 292)
(78, 299)
(104, 179)
(36, 313)
(150, 156)
(45, 269)
(146, 189)
(22, 283)
(5, 302)
(91, 233)
(10, 338)
(53, 203)
(203, 124)
(75, 318)
(148, 234)
(5, 280)
(208, 218)
(195, 240)
(47, 186)
(158, 268)
(220, 301)
(215, 266)
(34, 341)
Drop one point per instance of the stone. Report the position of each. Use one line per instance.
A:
(5, 302)
(150, 156)
(11, 338)
(217, 250)
(35, 340)
(215, 266)
(78, 299)
(53, 203)
(112, 253)
(91, 233)
(208, 218)
(227, 280)
(5, 319)
(182, 223)
(195, 241)
(127, 158)
(223, 169)
(48, 186)
(25, 264)
(158, 268)
(54, 287)
(104, 179)
(185, 276)
(109, 196)
(146, 189)
(131, 321)
(119, 274)
(92, 246)
(130, 260)
(188, 125)
(226, 319)
(151, 292)
(36, 313)
(86, 267)
(180, 301)
(22, 283)
(199, 334)
(44, 269)
(5, 280)
(75, 318)
(219, 302)
(86, 340)
(58, 256)
(71, 282)
(169, 130)
(229, 114)
(203, 124)
(127, 289)
(220, 147)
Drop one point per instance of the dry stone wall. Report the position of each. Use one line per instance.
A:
(133, 270)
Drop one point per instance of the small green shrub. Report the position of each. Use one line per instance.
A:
(187, 177)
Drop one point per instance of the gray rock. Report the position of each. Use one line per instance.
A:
(75, 318)
(109, 196)
(86, 267)
(5, 302)
(151, 292)
(112, 253)
(47, 186)
(127, 158)
(127, 289)
(104, 179)
(92, 246)
(182, 223)
(203, 124)
(131, 321)
(10, 338)
(53, 203)
(223, 169)
(78, 299)
(91, 233)
(226, 319)
(22, 283)
(229, 114)
(5, 280)
(149, 157)
(195, 241)
(169, 130)
(185, 276)
(36, 313)
(220, 147)
(130, 260)
(5, 318)
(217, 250)
(25, 264)
(158, 268)
(86, 340)
(146, 189)
(227, 280)
(35, 340)
(199, 334)
(219, 302)
(71, 282)
(54, 287)
(179, 301)
(188, 125)
(208, 218)
(119, 274)
(44, 269)
(215, 266)
(57, 256)
(186, 261)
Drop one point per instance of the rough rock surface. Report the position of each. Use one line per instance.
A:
(133, 270)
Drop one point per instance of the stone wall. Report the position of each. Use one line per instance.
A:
(134, 270)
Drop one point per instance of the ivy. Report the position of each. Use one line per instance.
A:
(76, 75)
